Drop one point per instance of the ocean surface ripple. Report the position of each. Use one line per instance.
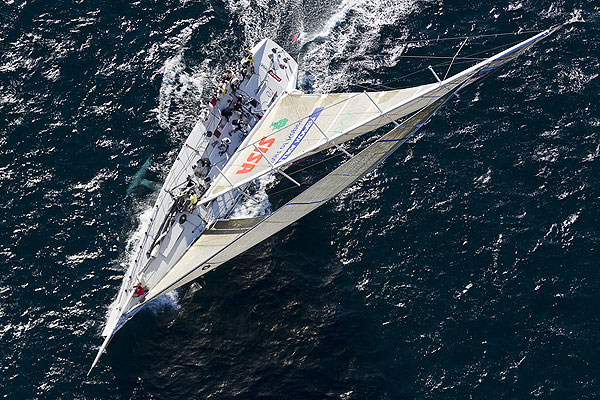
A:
(466, 266)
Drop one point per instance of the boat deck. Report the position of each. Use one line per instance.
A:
(176, 223)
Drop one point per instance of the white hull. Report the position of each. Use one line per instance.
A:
(272, 77)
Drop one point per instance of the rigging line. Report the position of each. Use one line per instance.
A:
(283, 190)
(461, 62)
(454, 58)
(445, 57)
(438, 39)
(380, 85)
(494, 48)
(383, 85)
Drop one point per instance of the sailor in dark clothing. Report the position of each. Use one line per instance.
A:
(203, 168)
(238, 104)
(224, 146)
(227, 112)
(238, 123)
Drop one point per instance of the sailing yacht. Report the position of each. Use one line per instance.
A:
(257, 124)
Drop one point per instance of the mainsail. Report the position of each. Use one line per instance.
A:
(227, 239)
(301, 124)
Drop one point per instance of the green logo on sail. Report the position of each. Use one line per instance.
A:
(279, 124)
(343, 123)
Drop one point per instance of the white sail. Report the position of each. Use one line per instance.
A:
(214, 246)
(299, 124)
(228, 239)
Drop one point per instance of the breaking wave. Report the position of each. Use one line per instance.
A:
(260, 205)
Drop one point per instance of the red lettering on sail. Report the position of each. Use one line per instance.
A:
(256, 155)
(266, 142)
(245, 168)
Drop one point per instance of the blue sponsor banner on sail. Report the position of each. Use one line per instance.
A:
(309, 123)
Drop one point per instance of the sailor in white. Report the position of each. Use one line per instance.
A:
(224, 146)
(202, 169)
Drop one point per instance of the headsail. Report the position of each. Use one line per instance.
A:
(300, 124)
(218, 245)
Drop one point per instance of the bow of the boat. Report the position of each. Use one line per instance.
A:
(119, 313)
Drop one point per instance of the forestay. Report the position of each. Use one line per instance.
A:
(300, 124)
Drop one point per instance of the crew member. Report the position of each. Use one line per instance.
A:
(238, 104)
(203, 168)
(227, 112)
(192, 200)
(238, 123)
(139, 290)
(224, 146)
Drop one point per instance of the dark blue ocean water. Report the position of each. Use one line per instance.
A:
(466, 266)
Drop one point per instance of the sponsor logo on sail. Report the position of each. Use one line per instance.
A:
(256, 155)
(279, 124)
(309, 123)
(286, 141)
